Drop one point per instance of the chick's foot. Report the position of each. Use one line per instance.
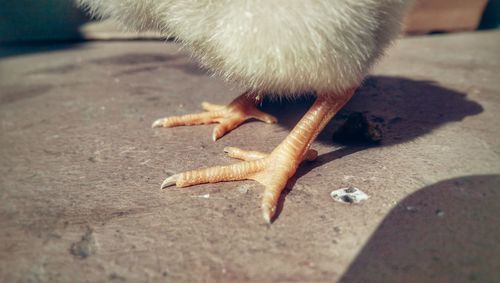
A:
(229, 117)
(271, 170)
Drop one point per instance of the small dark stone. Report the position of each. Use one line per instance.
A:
(358, 130)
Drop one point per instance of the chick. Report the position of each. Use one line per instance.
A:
(270, 47)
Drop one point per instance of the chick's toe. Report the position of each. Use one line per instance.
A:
(228, 117)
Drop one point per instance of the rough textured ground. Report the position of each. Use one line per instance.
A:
(80, 170)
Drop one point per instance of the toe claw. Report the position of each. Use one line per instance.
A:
(267, 213)
(157, 124)
(216, 134)
(270, 119)
(170, 181)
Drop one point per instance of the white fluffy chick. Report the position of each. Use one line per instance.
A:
(278, 47)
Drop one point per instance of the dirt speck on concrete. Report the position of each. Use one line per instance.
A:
(244, 188)
(349, 195)
(85, 247)
(117, 277)
(439, 213)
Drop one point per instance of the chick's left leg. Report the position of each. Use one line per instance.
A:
(229, 117)
(271, 170)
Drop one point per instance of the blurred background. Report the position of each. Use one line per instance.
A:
(59, 20)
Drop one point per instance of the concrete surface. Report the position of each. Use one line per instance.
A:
(80, 171)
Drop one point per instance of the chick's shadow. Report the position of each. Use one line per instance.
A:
(405, 109)
(444, 232)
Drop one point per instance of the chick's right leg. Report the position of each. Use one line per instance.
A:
(274, 169)
(229, 117)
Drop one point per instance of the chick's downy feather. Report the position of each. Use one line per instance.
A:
(278, 46)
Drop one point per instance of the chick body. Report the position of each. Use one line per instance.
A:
(283, 47)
